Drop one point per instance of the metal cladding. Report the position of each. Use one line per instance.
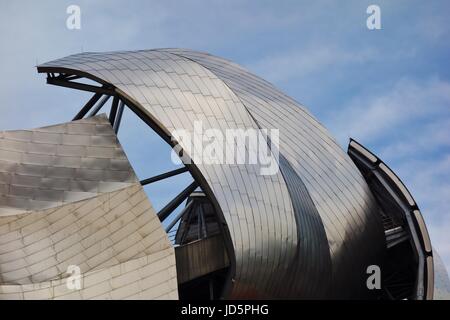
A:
(50, 166)
(308, 231)
(98, 218)
(441, 279)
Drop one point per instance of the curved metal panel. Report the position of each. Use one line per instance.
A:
(174, 88)
(313, 258)
(423, 231)
(174, 92)
(346, 206)
(147, 278)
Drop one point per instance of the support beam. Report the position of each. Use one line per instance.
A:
(87, 106)
(80, 86)
(119, 117)
(203, 224)
(211, 289)
(172, 205)
(163, 176)
(99, 105)
(179, 216)
(113, 112)
(72, 77)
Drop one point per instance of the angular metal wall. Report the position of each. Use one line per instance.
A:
(102, 222)
(50, 166)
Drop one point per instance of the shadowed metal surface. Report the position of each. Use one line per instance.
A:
(312, 241)
(174, 91)
(198, 258)
(47, 167)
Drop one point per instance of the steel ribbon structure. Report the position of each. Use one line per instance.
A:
(308, 231)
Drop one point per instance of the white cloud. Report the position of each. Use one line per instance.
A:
(406, 106)
(315, 59)
(427, 137)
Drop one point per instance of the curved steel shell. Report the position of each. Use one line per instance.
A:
(308, 231)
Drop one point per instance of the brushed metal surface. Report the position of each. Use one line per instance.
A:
(347, 208)
(313, 258)
(262, 227)
(94, 233)
(47, 167)
(173, 88)
(146, 278)
(77, 201)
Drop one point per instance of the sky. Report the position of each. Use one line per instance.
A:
(389, 88)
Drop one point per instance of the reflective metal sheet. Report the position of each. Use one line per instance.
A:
(94, 233)
(76, 201)
(182, 86)
(50, 166)
(342, 197)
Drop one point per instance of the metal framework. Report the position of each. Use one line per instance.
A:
(62, 81)
(87, 106)
(408, 225)
(164, 176)
(308, 231)
(175, 202)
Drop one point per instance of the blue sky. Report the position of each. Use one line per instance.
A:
(388, 88)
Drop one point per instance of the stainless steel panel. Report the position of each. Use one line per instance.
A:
(343, 199)
(78, 202)
(42, 167)
(262, 220)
